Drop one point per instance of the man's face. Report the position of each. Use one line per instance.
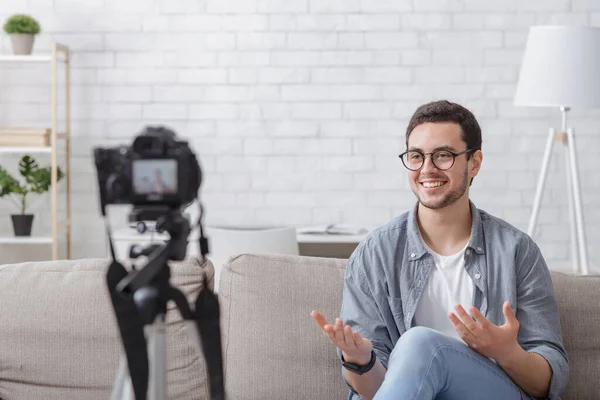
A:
(437, 188)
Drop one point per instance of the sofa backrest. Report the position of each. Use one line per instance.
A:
(274, 349)
(59, 338)
(578, 300)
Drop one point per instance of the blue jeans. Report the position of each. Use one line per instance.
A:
(426, 364)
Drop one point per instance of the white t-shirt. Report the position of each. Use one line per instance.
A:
(448, 285)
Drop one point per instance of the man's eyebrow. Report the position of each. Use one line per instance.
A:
(444, 147)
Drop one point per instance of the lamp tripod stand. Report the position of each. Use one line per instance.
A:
(578, 240)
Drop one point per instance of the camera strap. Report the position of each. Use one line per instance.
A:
(207, 317)
(110, 243)
(131, 328)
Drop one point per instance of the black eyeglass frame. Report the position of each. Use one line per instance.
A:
(454, 155)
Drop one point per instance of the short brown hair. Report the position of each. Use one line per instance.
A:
(445, 111)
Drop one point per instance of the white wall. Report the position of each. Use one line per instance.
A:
(297, 109)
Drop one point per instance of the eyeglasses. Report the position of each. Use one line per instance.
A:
(441, 159)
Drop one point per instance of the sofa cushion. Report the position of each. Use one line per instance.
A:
(273, 348)
(579, 306)
(59, 338)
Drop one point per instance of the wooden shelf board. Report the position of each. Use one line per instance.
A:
(25, 149)
(12, 130)
(26, 58)
(25, 240)
(32, 58)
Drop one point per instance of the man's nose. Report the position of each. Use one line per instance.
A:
(428, 164)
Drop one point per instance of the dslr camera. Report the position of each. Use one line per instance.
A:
(157, 174)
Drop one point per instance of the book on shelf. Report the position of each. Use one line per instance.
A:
(25, 137)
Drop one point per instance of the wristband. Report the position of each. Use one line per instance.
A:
(360, 369)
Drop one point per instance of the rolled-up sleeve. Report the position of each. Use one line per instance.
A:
(537, 312)
(360, 309)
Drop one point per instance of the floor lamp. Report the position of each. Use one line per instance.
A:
(561, 68)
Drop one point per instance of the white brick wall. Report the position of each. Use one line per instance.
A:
(297, 109)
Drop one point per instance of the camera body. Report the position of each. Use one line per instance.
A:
(157, 173)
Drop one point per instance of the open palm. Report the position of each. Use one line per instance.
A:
(355, 348)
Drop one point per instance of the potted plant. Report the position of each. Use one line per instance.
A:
(37, 180)
(22, 30)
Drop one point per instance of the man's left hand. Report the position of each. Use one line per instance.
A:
(493, 341)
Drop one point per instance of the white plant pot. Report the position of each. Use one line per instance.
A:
(22, 43)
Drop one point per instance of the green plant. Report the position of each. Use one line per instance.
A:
(21, 23)
(37, 180)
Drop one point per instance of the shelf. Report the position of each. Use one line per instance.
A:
(13, 130)
(36, 136)
(63, 223)
(62, 53)
(25, 149)
(26, 240)
(28, 58)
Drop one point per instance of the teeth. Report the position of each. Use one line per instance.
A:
(432, 184)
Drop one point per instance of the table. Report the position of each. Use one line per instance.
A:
(328, 245)
(316, 245)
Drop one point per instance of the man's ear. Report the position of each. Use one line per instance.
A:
(476, 160)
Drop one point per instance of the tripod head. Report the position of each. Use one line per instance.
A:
(178, 228)
(149, 286)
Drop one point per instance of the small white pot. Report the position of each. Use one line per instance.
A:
(22, 43)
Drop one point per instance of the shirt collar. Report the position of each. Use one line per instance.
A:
(416, 248)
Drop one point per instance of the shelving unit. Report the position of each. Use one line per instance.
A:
(59, 55)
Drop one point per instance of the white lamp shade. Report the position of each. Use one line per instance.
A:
(561, 67)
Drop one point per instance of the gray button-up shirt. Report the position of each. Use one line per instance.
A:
(387, 273)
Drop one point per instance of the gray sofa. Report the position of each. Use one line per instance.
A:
(58, 339)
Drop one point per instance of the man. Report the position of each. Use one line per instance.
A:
(447, 301)
(159, 185)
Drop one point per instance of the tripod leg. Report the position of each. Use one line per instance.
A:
(122, 389)
(541, 183)
(157, 384)
(576, 190)
(571, 202)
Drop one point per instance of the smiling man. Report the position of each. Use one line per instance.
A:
(447, 301)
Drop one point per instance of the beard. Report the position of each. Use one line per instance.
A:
(449, 198)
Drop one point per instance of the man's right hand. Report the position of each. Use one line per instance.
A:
(355, 348)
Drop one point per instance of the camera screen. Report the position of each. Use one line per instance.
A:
(154, 177)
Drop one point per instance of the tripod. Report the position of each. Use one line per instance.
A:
(140, 301)
(157, 388)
